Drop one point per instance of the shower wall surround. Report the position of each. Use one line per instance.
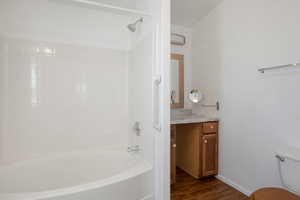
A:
(61, 97)
(64, 75)
(74, 79)
(52, 21)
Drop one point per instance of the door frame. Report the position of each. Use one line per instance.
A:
(162, 138)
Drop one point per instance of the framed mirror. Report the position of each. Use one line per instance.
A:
(177, 81)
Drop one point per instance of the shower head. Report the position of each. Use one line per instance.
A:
(132, 27)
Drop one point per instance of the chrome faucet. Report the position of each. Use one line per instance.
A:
(173, 95)
(134, 149)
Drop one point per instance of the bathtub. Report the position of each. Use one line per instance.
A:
(90, 175)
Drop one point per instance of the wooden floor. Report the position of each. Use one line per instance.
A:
(188, 188)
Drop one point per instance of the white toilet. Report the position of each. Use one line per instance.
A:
(289, 169)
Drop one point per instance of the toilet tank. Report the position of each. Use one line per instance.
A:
(289, 166)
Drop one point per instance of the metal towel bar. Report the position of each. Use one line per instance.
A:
(280, 158)
(262, 70)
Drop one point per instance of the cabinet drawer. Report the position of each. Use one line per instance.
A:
(210, 127)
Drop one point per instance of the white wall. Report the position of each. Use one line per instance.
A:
(185, 50)
(64, 79)
(259, 112)
(206, 66)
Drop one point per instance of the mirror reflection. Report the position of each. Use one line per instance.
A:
(177, 81)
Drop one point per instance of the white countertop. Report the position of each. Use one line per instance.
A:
(192, 118)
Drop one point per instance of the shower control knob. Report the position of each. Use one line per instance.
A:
(137, 128)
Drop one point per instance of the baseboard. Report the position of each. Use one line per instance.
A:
(234, 185)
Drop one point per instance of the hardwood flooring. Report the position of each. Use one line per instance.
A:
(188, 188)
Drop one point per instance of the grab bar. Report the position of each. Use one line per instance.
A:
(156, 103)
(157, 82)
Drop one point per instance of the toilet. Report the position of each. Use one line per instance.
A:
(289, 169)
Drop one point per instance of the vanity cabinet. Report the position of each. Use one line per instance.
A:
(209, 155)
(196, 148)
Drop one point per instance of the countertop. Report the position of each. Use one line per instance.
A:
(192, 118)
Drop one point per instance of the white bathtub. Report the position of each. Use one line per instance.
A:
(103, 175)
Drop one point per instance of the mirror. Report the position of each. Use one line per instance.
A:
(177, 81)
(195, 96)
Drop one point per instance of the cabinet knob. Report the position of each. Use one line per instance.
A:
(174, 145)
(211, 127)
(205, 141)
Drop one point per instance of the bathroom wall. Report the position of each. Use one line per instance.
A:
(185, 50)
(64, 79)
(259, 112)
(205, 67)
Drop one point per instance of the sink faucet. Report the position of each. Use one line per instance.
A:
(173, 94)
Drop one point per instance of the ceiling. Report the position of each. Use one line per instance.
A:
(188, 12)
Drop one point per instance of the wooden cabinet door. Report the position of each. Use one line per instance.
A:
(173, 154)
(209, 155)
